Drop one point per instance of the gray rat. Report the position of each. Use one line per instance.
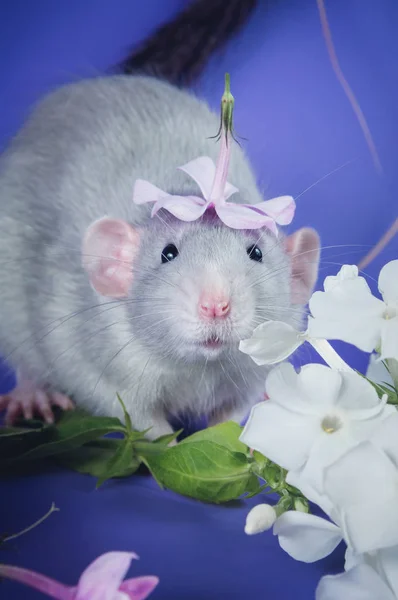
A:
(97, 297)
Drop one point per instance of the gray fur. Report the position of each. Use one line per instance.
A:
(75, 161)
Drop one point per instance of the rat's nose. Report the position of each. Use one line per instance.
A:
(212, 308)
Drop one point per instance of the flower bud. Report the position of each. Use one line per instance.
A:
(260, 518)
(301, 504)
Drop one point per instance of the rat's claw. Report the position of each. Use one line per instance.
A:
(13, 411)
(42, 405)
(62, 401)
(30, 401)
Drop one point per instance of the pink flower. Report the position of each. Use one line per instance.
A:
(102, 580)
(216, 190)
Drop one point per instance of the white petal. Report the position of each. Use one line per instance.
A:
(359, 583)
(387, 566)
(385, 436)
(347, 480)
(271, 343)
(296, 479)
(298, 392)
(358, 397)
(260, 518)
(388, 282)
(389, 338)
(363, 485)
(352, 559)
(306, 537)
(327, 448)
(282, 436)
(346, 272)
(347, 312)
(319, 386)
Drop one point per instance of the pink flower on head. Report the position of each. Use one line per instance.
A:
(216, 190)
(102, 580)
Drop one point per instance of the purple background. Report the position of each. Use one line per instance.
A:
(300, 127)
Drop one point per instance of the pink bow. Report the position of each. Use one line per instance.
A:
(237, 216)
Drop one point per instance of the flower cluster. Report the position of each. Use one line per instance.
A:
(334, 432)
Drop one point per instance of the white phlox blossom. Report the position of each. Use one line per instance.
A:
(346, 310)
(312, 418)
(361, 496)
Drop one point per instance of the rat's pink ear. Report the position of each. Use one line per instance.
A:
(109, 247)
(304, 250)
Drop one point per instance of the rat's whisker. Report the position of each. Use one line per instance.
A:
(318, 181)
(227, 375)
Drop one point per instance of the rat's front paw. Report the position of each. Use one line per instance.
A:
(28, 401)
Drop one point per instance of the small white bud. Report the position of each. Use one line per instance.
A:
(260, 518)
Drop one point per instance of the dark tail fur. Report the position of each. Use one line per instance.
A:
(179, 51)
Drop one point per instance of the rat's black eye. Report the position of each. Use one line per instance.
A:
(255, 253)
(169, 253)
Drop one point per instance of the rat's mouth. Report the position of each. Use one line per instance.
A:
(212, 343)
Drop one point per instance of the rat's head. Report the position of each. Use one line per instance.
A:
(197, 289)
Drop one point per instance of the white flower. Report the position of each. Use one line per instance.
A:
(312, 418)
(306, 537)
(274, 341)
(260, 518)
(362, 486)
(364, 582)
(348, 311)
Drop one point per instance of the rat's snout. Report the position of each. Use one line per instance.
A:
(213, 306)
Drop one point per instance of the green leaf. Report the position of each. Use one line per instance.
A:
(203, 470)
(225, 434)
(164, 440)
(260, 462)
(27, 428)
(91, 458)
(253, 486)
(127, 418)
(123, 461)
(145, 447)
(15, 441)
(74, 429)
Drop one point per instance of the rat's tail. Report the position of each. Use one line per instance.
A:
(179, 51)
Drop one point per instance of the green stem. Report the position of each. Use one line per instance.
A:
(227, 109)
(53, 508)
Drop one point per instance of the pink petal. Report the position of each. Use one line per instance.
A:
(203, 171)
(229, 190)
(101, 580)
(185, 208)
(244, 216)
(281, 209)
(147, 192)
(139, 588)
